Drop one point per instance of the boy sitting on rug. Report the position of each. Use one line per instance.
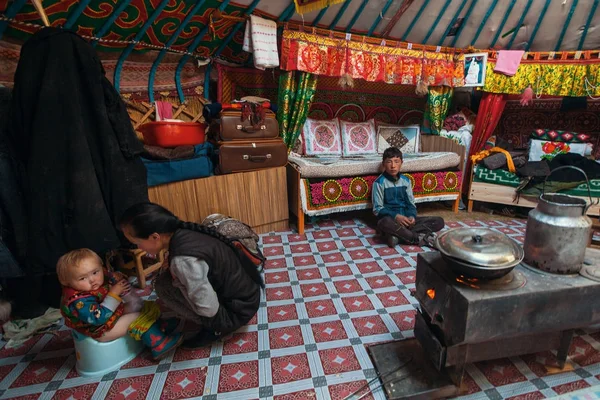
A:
(394, 206)
(94, 308)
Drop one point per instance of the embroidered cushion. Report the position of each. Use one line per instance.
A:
(358, 138)
(321, 138)
(406, 138)
(544, 150)
(560, 136)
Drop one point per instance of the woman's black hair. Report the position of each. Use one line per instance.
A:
(148, 218)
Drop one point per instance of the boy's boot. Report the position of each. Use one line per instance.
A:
(160, 343)
(391, 240)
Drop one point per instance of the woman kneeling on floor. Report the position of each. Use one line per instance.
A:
(207, 280)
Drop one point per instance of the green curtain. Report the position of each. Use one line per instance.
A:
(295, 95)
(436, 109)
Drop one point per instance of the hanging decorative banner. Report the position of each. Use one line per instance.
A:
(323, 55)
(305, 6)
(572, 78)
(474, 69)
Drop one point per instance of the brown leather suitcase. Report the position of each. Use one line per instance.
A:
(233, 127)
(239, 156)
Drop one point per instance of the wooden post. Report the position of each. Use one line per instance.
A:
(456, 204)
(300, 213)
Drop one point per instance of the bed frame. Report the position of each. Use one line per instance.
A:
(501, 194)
(429, 143)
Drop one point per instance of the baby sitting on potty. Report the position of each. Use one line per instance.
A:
(92, 305)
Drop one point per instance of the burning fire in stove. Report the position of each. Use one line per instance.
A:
(471, 282)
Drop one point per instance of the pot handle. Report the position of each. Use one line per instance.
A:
(586, 180)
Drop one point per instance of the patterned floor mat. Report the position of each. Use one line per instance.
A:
(329, 293)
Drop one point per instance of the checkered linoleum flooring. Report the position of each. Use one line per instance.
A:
(329, 294)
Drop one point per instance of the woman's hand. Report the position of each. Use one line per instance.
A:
(120, 287)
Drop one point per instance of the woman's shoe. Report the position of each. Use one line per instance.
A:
(169, 326)
(201, 339)
(160, 343)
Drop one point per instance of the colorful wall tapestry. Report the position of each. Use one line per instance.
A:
(397, 104)
(134, 76)
(518, 123)
(322, 55)
(575, 78)
(324, 196)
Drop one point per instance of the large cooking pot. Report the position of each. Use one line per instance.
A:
(479, 253)
(558, 231)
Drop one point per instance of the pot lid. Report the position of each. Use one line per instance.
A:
(480, 246)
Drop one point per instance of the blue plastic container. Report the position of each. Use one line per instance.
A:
(99, 358)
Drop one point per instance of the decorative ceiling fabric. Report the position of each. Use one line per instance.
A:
(305, 6)
(538, 25)
(573, 78)
(322, 55)
(129, 22)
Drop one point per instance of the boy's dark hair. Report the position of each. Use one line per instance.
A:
(392, 152)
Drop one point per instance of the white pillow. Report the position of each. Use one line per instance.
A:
(546, 150)
(322, 137)
(358, 138)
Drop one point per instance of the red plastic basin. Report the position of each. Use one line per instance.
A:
(173, 134)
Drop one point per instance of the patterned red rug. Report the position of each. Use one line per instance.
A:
(329, 294)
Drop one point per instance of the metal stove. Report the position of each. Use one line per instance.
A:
(464, 320)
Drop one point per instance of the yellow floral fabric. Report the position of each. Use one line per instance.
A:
(547, 78)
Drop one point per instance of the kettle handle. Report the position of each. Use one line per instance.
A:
(586, 180)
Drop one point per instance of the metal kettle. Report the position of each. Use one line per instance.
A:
(558, 231)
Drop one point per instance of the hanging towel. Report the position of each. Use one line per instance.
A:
(508, 61)
(260, 39)
(164, 110)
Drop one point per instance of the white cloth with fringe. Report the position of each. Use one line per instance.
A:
(260, 39)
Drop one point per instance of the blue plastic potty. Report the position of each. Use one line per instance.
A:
(99, 358)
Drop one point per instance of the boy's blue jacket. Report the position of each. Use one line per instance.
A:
(393, 196)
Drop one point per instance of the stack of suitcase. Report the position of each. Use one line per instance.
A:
(244, 145)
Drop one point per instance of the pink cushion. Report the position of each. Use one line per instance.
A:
(358, 138)
(321, 138)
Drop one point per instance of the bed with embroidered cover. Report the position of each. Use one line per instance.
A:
(499, 186)
(334, 165)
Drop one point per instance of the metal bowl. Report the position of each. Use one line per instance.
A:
(479, 252)
(469, 270)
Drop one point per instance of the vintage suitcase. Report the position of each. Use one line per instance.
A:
(239, 156)
(232, 127)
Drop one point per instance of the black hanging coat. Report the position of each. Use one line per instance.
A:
(72, 133)
(13, 221)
